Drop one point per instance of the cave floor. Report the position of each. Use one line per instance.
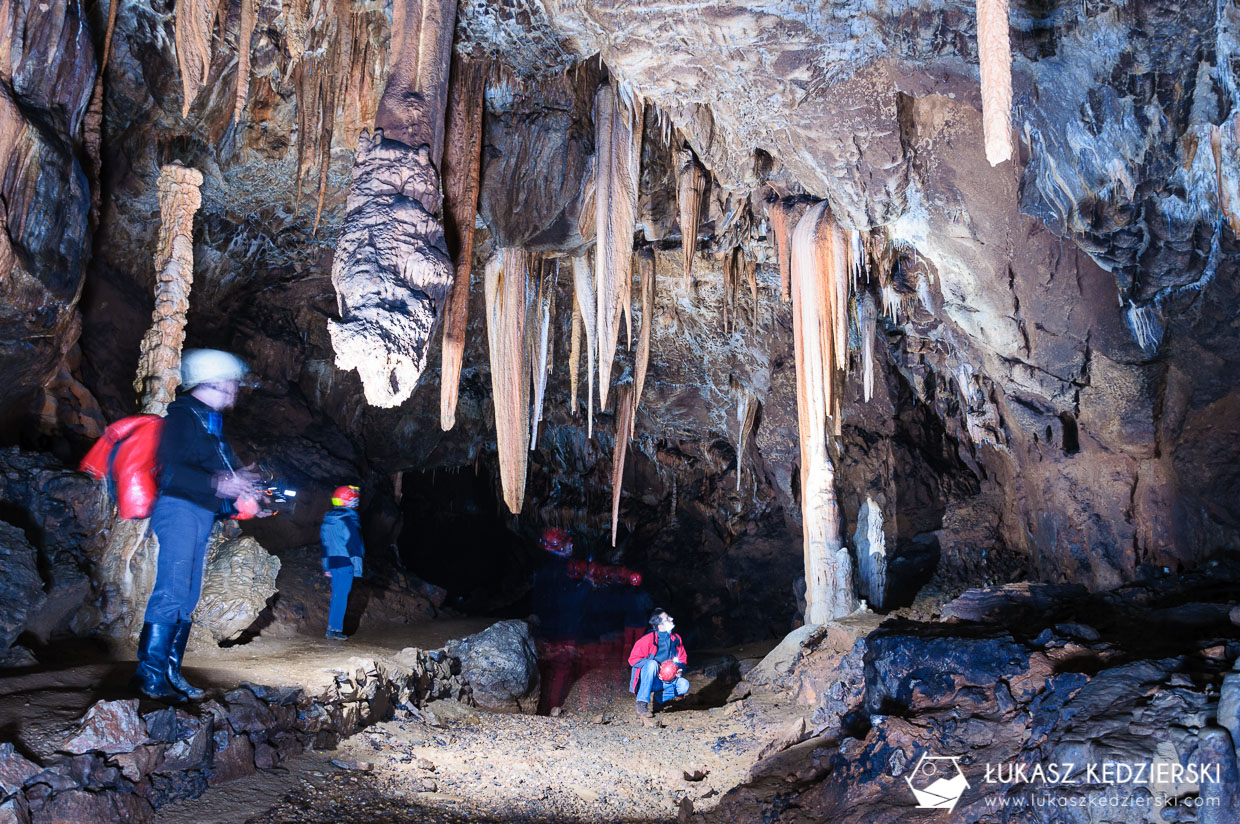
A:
(41, 705)
(596, 762)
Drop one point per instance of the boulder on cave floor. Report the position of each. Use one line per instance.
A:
(501, 665)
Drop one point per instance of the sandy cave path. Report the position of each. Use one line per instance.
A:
(452, 763)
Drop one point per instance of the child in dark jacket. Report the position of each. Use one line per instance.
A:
(650, 678)
(341, 536)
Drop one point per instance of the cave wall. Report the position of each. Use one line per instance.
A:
(1056, 387)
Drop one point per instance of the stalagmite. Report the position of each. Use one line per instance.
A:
(646, 267)
(461, 170)
(193, 42)
(126, 575)
(995, 59)
(690, 189)
(507, 275)
(618, 140)
(392, 271)
(540, 344)
(159, 361)
(867, 326)
(584, 300)
(248, 19)
(624, 425)
(816, 264)
(871, 544)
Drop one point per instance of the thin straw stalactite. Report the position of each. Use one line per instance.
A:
(995, 62)
(506, 281)
(690, 190)
(618, 150)
(462, 166)
(624, 425)
(818, 260)
(584, 300)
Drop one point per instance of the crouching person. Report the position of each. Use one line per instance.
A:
(658, 660)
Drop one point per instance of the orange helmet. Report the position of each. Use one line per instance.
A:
(557, 541)
(346, 496)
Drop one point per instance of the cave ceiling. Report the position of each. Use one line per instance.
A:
(1058, 373)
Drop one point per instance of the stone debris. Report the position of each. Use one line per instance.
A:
(110, 727)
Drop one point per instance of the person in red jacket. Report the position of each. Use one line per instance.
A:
(658, 660)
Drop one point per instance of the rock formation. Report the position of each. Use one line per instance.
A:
(507, 276)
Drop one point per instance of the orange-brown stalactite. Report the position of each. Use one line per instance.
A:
(641, 365)
(624, 425)
(462, 165)
(245, 31)
(995, 63)
(506, 284)
(617, 170)
(193, 42)
(691, 184)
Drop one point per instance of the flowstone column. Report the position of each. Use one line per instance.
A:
(127, 567)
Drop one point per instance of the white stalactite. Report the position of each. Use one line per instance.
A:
(867, 327)
(506, 283)
(584, 296)
(818, 261)
(995, 62)
(540, 347)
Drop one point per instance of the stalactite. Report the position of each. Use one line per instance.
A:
(245, 31)
(751, 278)
(462, 165)
(746, 413)
(295, 28)
(574, 358)
(160, 351)
(817, 262)
(392, 271)
(690, 190)
(783, 215)
(995, 62)
(617, 143)
(646, 267)
(867, 326)
(540, 343)
(327, 110)
(506, 282)
(624, 425)
(193, 42)
(113, 7)
(584, 300)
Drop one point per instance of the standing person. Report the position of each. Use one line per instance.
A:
(658, 660)
(557, 604)
(199, 481)
(341, 535)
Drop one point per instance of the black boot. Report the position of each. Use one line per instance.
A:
(151, 679)
(177, 654)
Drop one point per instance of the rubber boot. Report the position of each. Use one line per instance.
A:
(151, 678)
(177, 654)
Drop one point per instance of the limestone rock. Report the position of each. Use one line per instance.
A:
(15, 769)
(21, 588)
(239, 579)
(110, 727)
(501, 666)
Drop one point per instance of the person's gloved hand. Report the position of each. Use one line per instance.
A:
(234, 485)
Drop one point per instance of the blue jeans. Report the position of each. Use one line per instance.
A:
(342, 582)
(183, 530)
(647, 690)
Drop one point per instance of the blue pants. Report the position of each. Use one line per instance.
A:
(342, 582)
(183, 530)
(648, 689)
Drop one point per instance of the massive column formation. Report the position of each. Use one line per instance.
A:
(392, 270)
(159, 361)
(820, 326)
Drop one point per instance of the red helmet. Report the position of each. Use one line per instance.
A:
(347, 496)
(634, 578)
(557, 542)
(577, 569)
(667, 670)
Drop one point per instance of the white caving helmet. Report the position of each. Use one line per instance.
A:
(200, 366)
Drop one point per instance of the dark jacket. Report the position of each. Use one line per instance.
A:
(341, 535)
(192, 451)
